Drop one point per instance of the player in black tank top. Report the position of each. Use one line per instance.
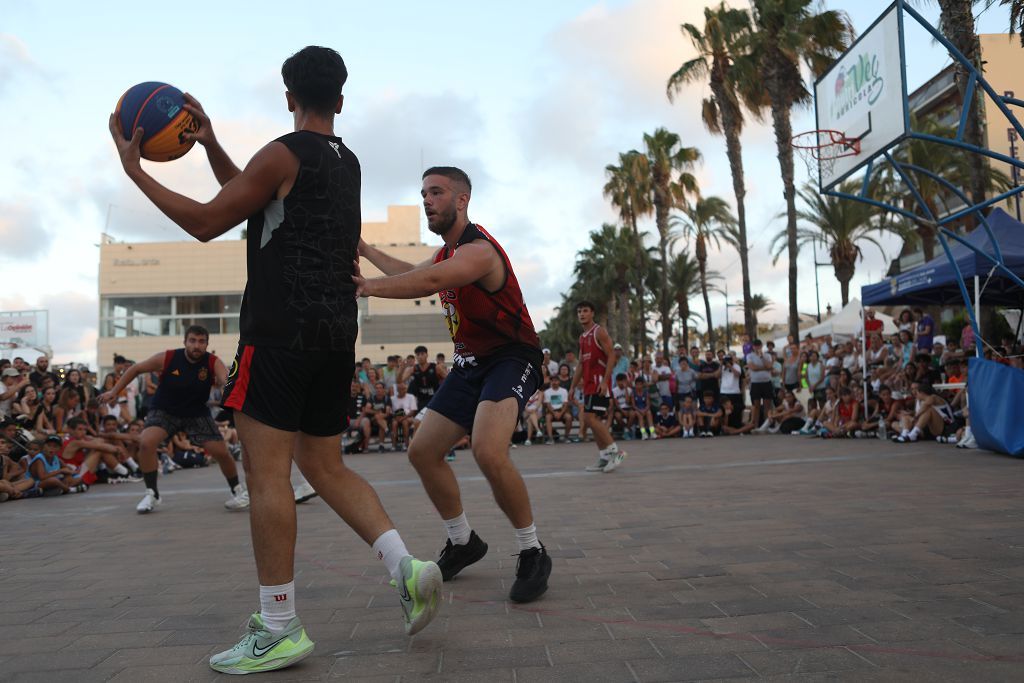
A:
(180, 404)
(296, 356)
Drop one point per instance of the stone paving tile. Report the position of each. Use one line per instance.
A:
(689, 668)
(610, 672)
(833, 659)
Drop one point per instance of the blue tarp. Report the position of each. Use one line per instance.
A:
(995, 392)
(935, 281)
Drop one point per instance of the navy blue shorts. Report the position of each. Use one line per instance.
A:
(493, 380)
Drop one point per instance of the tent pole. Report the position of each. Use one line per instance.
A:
(864, 357)
(977, 314)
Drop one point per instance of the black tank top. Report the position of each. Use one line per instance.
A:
(184, 386)
(424, 383)
(300, 251)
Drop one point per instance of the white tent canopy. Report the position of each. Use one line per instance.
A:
(844, 325)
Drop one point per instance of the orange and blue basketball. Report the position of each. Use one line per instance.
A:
(159, 109)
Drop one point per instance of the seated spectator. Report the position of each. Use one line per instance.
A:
(556, 407)
(403, 414)
(531, 414)
(48, 471)
(882, 411)
(17, 438)
(224, 426)
(13, 482)
(930, 419)
(358, 422)
(68, 407)
(641, 401)
(623, 416)
(24, 407)
(74, 380)
(816, 417)
(687, 416)
(709, 415)
(728, 408)
(665, 423)
(185, 453)
(845, 420)
(926, 372)
(787, 417)
(378, 410)
(13, 382)
(42, 419)
(86, 454)
(110, 434)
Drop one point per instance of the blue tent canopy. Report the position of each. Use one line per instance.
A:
(935, 281)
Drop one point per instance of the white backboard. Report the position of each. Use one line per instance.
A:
(863, 95)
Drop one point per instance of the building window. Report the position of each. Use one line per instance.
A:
(168, 316)
(417, 302)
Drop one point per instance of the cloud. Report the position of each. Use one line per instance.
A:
(15, 60)
(21, 232)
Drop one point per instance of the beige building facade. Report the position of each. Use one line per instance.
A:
(151, 292)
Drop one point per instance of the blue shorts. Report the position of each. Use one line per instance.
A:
(493, 380)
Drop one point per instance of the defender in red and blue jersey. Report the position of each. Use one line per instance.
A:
(497, 368)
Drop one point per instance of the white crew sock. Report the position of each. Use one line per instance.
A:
(458, 529)
(277, 606)
(527, 537)
(132, 465)
(905, 433)
(390, 548)
(607, 453)
(121, 470)
(914, 433)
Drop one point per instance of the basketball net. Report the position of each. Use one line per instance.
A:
(820, 148)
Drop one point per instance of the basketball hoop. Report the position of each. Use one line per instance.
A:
(820, 148)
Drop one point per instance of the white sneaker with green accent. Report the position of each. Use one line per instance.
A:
(263, 650)
(419, 592)
(615, 460)
(598, 466)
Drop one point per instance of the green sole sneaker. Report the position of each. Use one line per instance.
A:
(419, 593)
(262, 650)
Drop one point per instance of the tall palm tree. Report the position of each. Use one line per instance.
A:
(627, 187)
(1016, 17)
(667, 166)
(841, 225)
(786, 33)
(725, 29)
(608, 265)
(706, 220)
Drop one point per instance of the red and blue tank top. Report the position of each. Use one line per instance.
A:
(486, 324)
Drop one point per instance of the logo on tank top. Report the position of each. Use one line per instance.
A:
(335, 146)
(451, 314)
(203, 374)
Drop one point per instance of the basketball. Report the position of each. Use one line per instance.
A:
(159, 109)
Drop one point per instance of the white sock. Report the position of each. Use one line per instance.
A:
(390, 548)
(527, 537)
(121, 470)
(458, 529)
(609, 452)
(132, 464)
(905, 433)
(914, 433)
(277, 605)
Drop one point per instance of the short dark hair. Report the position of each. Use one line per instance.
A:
(421, 349)
(586, 304)
(75, 421)
(198, 331)
(619, 376)
(108, 418)
(451, 173)
(315, 77)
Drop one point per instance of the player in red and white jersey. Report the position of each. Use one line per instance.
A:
(595, 372)
(497, 369)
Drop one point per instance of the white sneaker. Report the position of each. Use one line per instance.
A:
(149, 503)
(598, 466)
(240, 499)
(527, 443)
(615, 461)
(965, 437)
(304, 492)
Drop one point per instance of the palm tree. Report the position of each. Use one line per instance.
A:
(667, 167)
(841, 225)
(706, 220)
(758, 303)
(725, 29)
(786, 33)
(684, 278)
(607, 266)
(1016, 17)
(627, 188)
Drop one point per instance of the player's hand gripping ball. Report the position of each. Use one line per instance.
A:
(159, 109)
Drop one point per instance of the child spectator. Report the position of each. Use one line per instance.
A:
(845, 420)
(709, 414)
(403, 411)
(623, 416)
(185, 453)
(642, 409)
(665, 424)
(48, 471)
(532, 415)
(687, 416)
(13, 482)
(379, 412)
(728, 408)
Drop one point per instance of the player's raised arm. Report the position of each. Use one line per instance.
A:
(220, 163)
(468, 264)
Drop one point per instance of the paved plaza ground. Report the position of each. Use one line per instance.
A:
(740, 558)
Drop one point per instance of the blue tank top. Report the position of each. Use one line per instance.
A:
(48, 465)
(640, 399)
(184, 386)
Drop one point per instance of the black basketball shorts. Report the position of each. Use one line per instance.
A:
(596, 403)
(295, 391)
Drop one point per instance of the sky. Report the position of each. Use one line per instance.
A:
(533, 101)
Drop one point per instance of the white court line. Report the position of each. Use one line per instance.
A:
(564, 473)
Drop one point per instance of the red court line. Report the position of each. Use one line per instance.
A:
(693, 631)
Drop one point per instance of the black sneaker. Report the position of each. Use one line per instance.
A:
(455, 558)
(532, 572)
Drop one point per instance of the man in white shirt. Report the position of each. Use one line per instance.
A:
(663, 373)
(732, 389)
(403, 409)
(556, 408)
(13, 381)
(550, 362)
